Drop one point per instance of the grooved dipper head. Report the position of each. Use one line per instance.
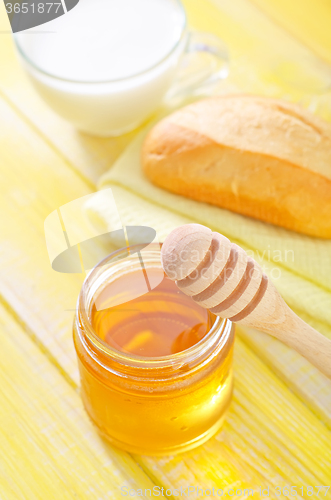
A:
(221, 277)
(184, 249)
(216, 273)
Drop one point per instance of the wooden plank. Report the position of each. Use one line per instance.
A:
(269, 439)
(35, 182)
(308, 21)
(49, 449)
(265, 58)
(303, 379)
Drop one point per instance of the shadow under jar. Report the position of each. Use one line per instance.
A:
(155, 368)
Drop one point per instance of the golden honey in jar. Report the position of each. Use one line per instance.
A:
(156, 368)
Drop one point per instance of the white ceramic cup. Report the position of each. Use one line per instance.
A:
(113, 107)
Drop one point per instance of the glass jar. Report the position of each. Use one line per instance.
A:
(152, 406)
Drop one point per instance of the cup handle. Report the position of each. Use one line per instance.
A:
(196, 77)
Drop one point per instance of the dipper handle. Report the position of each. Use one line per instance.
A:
(219, 276)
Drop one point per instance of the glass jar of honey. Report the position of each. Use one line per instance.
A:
(155, 368)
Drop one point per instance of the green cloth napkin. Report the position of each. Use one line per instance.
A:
(300, 266)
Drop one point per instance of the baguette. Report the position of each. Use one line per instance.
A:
(257, 156)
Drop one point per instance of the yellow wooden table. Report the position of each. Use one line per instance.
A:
(278, 430)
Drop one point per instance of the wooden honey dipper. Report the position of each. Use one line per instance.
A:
(220, 276)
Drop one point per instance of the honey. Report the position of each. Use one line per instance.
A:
(159, 323)
(156, 368)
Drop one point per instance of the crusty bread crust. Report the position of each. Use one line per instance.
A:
(260, 157)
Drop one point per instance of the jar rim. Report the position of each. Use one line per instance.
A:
(218, 333)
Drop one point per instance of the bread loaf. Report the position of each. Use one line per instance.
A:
(260, 157)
